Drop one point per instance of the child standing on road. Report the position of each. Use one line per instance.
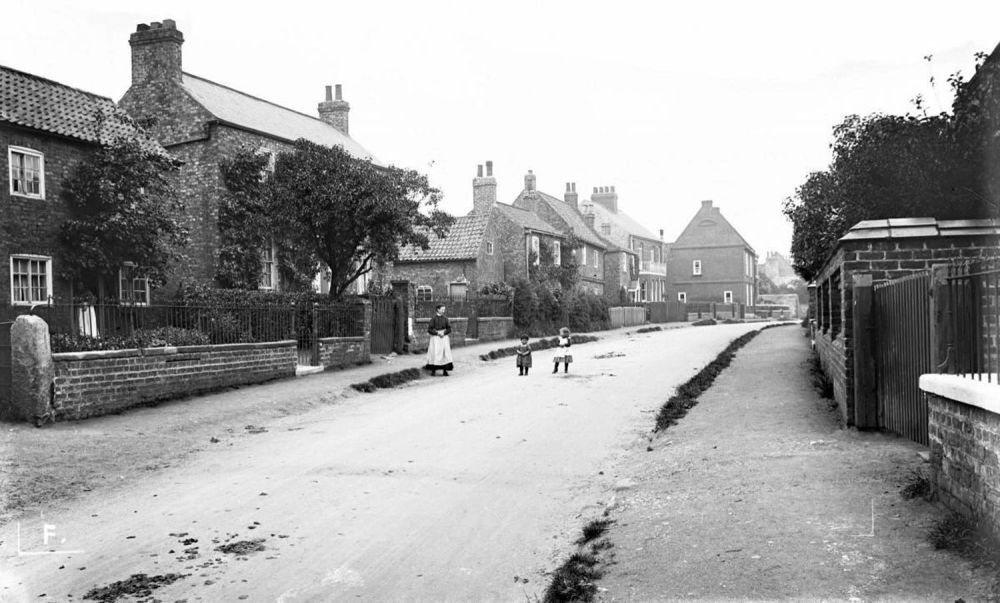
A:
(563, 354)
(523, 356)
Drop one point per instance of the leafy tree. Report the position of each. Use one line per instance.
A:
(122, 209)
(564, 275)
(244, 226)
(327, 206)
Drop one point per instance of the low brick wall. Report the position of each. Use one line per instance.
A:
(496, 328)
(341, 352)
(964, 433)
(89, 384)
(459, 327)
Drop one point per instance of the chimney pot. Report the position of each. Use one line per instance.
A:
(142, 27)
(706, 203)
(612, 188)
(170, 24)
(489, 168)
(479, 171)
(595, 190)
(329, 93)
(155, 25)
(339, 96)
(156, 52)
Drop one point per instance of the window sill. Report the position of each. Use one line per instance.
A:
(22, 195)
(971, 391)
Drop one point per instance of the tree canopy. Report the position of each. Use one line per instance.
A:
(122, 208)
(889, 166)
(322, 206)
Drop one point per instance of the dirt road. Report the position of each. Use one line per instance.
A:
(468, 487)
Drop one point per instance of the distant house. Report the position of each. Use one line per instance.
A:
(566, 218)
(494, 243)
(711, 262)
(203, 123)
(46, 129)
(647, 258)
(777, 269)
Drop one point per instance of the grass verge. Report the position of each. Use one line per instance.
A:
(686, 396)
(387, 380)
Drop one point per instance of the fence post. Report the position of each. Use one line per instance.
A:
(315, 334)
(865, 378)
(940, 311)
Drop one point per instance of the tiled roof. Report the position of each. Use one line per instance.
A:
(35, 102)
(240, 109)
(572, 217)
(461, 243)
(624, 222)
(901, 228)
(525, 219)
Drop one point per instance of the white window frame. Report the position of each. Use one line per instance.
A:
(624, 262)
(489, 247)
(424, 293)
(11, 150)
(130, 298)
(696, 267)
(597, 259)
(48, 279)
(682, 297)
(727, 297)
(556, 253)
(583, 257)
(535, 246)
(643, 291)
(268, 267)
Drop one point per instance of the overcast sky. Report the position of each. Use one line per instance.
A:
(672, 103)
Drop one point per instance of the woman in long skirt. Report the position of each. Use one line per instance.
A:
(439, 345)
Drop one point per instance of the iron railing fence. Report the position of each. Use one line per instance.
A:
(468, 306)
(78, 327)
(971, 332)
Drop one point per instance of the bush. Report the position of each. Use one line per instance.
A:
(141, 338)
(540, 309)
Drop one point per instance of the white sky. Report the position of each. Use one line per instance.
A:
(672, 103)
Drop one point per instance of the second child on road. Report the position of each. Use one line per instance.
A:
(563, 354)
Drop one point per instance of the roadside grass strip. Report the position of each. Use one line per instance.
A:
(648, 329)
(387, 380)
(686, 396)
(541, 344)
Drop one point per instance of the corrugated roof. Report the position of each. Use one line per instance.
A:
(571, 216)
(461, 243)
(42, 104)
(241, 109)
(903, 228)
(525, 219)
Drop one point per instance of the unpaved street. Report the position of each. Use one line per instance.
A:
(461, 488)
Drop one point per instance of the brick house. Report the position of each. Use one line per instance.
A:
(491, 244)
(883, 250)
(202, 123)
(640, 252)
(565, 217)
(46, 129)
(711, 262)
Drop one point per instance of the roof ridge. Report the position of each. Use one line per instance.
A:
(263, 100)
(60, 84)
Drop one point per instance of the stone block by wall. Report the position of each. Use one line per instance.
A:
(964, 442)
(31, 370)
(96, 383)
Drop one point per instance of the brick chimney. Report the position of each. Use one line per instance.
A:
(156, 52)
(484, 190)
(334, 110)
(606, 196)
(529, 181)
(570, 196)
(707, 204)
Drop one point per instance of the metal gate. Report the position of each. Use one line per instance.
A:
(383, 324)
(903, 353)
(5, 366)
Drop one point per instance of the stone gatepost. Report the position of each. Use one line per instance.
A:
(32, 370)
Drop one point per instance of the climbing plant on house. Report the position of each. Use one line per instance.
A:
(122, 208)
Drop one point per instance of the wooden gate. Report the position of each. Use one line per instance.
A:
(383, 324)
(902, 345)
